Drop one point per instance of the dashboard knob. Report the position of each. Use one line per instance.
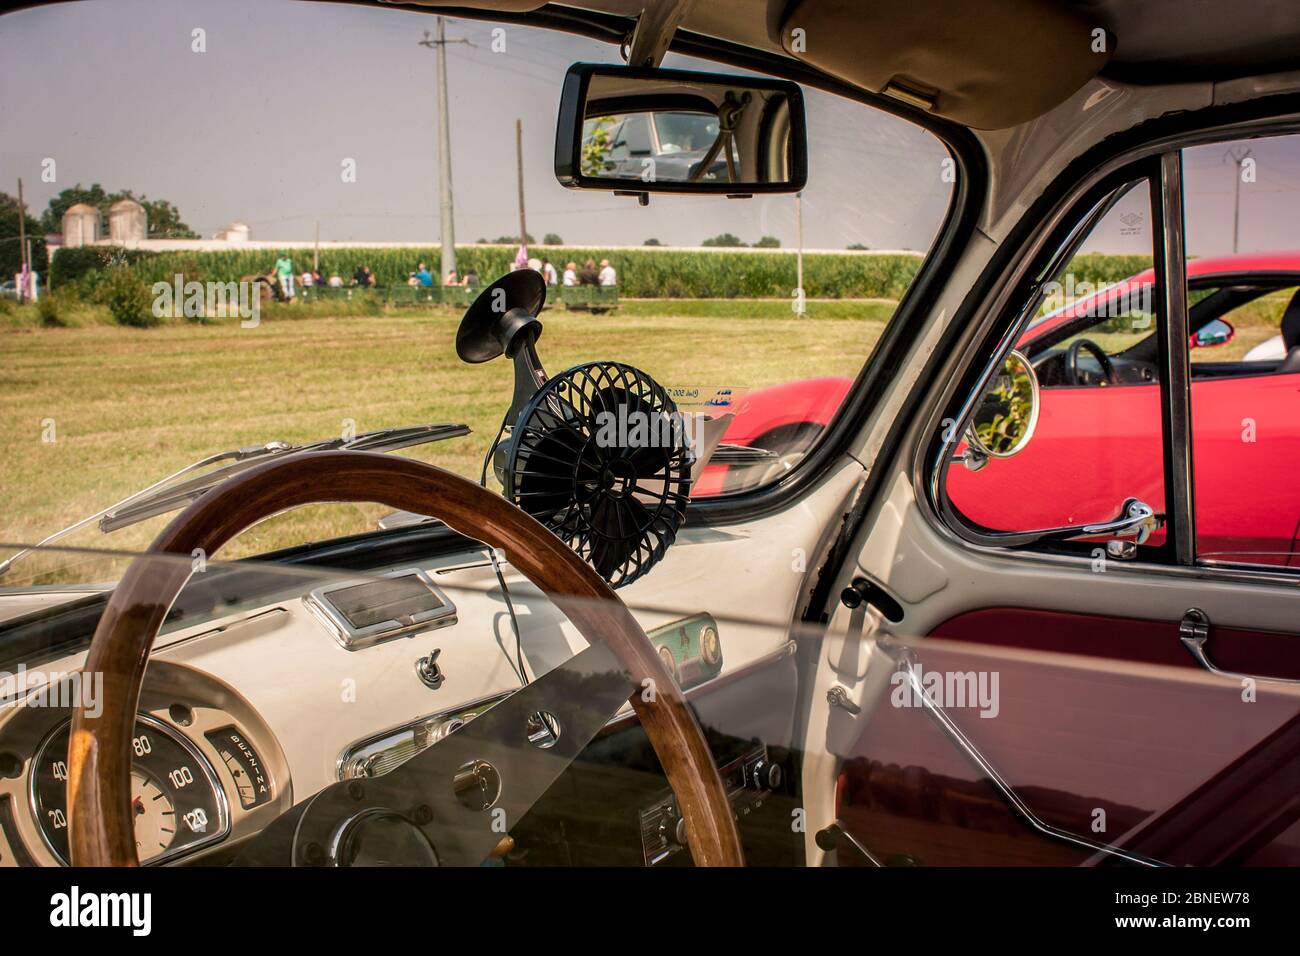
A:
(765, 775)
(680, 832)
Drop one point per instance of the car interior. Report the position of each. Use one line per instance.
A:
(843, 549)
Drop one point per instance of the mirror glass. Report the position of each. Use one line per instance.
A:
(671, 130)
(1214, 332)
(1005, 419)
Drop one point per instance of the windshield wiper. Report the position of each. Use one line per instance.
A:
(172, 493)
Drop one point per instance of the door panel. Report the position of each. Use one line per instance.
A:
(1104, 727)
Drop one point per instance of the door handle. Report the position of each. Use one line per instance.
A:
(1136, 520)
(1194, 632)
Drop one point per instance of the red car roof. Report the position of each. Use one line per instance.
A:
(1245, 263)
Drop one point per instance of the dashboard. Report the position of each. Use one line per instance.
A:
(262, 696)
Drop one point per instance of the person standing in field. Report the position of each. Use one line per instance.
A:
(423, 275)
(607, 275)
(571, 274)
(588, 275)
(284, 273)
(549, 274)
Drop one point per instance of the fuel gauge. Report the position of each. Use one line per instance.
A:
(245, 766)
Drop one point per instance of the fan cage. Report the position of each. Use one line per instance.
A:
(602, 457)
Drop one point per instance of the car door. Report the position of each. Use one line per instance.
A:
(1246, 422)
(1068, 698)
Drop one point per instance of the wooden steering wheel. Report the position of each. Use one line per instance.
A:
(101, 830)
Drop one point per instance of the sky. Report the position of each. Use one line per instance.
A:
(1269, 201)
(258, 127)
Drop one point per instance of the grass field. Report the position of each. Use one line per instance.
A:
(129, 406)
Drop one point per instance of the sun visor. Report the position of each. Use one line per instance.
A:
(986, 65)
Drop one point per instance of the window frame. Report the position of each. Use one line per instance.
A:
(1062, 244)
(999, 330)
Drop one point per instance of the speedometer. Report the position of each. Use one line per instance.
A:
(176, 803)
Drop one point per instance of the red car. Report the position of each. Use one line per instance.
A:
(1097, 441)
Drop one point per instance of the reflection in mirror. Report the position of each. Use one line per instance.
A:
(1005, 419)
(1212, 333)
(678, 131)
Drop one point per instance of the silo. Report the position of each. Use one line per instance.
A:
(80, 225)
(127, 221)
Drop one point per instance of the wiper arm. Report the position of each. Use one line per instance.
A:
(172, 494)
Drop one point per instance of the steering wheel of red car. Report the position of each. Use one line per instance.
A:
(1072, 374)
(101, 826)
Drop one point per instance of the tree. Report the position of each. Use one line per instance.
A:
(164, 218)
(514, 240)
(552, 239)
(768, 242)
(857, 247)
(726, 240)
(11, 255)
(652, 242)
(596, 148)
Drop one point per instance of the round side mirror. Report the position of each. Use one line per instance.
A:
(1006, 418)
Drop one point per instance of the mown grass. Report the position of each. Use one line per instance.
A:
(131, 405)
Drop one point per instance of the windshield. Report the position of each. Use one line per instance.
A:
(250, 255)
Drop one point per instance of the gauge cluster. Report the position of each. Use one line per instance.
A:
(206, 772)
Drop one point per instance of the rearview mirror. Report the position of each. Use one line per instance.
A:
(643, 131)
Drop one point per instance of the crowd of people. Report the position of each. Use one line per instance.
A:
(589, 274)
(286, 281)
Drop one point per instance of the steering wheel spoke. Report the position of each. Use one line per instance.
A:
(463, 794)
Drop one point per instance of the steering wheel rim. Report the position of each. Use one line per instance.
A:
(1097, 352)
(101, 831)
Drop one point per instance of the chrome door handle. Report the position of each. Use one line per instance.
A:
(1194, 632)
(1136, 520)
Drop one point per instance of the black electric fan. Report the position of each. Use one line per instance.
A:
(599, 453)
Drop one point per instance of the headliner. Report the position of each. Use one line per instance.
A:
(1157, 41)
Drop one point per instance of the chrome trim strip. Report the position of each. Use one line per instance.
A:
(1177, 404)
(905, 657)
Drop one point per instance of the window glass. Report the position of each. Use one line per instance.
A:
(303, 176)
(1242, 204)
(1096, 437)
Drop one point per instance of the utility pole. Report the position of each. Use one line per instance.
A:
(801, 304)
(315, 255)
(447, 239)
(519, 160)
(1238, 155)
(26, 269)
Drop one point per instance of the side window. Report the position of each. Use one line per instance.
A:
(1242, 207)
(1093, 438)
(1234, 326)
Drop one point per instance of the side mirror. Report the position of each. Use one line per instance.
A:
(676, 131)
(1008, 415)
(1212, 333)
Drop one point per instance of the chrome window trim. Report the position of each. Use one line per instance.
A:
(1176, 374)
(927, 471)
